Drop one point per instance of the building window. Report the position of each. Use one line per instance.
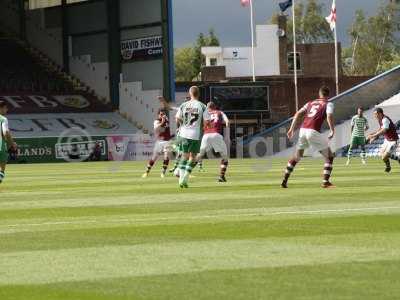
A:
(290, 61)
(213, 62)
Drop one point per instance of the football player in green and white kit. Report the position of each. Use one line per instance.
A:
(191, 115)
(359, 125)
(6, 139)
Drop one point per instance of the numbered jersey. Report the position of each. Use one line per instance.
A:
(216, 123)
(192, 113)
(315, 113)
(162, 132)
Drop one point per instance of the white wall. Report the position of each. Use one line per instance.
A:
(94, 75)
(139, 105)
(237, 60)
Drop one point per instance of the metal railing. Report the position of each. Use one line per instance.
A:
(366, 95)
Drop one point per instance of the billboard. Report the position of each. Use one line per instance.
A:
(50, 149)
(54, 125)
(25, 103)
(142, 48)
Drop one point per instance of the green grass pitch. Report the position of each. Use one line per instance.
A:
(99, 231)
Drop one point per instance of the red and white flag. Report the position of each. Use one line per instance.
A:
(245, 3)
(332, 17)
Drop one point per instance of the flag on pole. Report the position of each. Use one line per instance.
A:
(332, 17)
(285, 5)
(245, 3)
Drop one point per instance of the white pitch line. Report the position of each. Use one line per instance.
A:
(261, 214)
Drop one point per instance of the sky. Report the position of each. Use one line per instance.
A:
(231, 21)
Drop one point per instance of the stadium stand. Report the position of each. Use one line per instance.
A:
(367, 95)
(49, 111)
(22, 73)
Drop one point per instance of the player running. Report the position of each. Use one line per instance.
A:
(162, 146)
(359, 125)
(314, 113)
(190, 115)
(389, 147)
(213, 139)
(6, 139)
(165, 104)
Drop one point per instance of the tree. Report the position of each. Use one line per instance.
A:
(311, 26)
(188, 61)
(374, 42)
(184, 64)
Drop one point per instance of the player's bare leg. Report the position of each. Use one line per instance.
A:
(2, 171)
(386, 159)
(165, 164)
(328, 167)
(290, 167)
(223, 168)
(150, 165)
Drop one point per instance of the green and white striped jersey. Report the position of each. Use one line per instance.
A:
(359, 124)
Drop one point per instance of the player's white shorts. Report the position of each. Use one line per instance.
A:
(161, 147)
(214, 141)
(389, 147)
(311, 138)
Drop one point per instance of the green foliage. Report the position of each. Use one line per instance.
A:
(188, 61)
(311, 26)
(184, 64)
(375, 44)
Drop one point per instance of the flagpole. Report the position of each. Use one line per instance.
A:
(252, 41)
(295, 57)
(336, 61)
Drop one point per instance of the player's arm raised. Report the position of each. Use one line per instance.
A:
(226, 120)
(297, 119)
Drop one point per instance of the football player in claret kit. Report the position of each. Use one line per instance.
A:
(359, 125)
(389, 147)
(313, 114)
(213, 139)
(162, 146)
(6, 139)
(191, 115)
